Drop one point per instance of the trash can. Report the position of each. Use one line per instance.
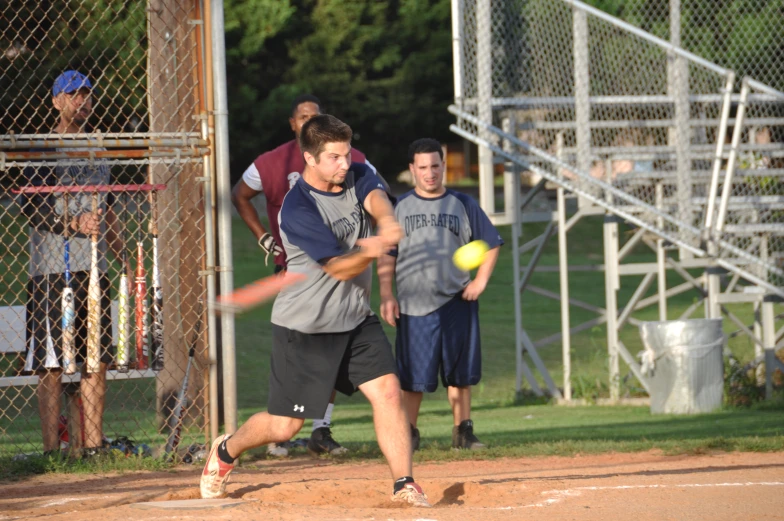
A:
(684, 362)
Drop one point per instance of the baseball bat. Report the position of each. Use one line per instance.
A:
(256, 293)
(157, 291)
(67, 302)
(141, 299)
(93, 303)
(123, 342)
(178, 412)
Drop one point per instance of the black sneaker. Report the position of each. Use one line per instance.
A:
(463, 437)
(321, 442)
(94, 453)
(414, 438)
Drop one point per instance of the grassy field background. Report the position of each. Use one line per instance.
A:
(522, 425)
(541, 317)
(513, 425)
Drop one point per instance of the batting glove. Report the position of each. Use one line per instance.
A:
(268, 244)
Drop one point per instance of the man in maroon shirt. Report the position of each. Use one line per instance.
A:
(274, 173)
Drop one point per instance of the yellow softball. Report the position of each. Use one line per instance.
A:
(471, 255)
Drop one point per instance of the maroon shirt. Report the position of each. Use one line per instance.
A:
(274, 173)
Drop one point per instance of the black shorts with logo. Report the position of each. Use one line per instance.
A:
(305, 368)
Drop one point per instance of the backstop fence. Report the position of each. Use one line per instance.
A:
(135, 145)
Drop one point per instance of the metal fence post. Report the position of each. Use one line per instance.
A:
(769, 341)
(224, 215)
(582, 103)
(508, 127)
(484, 59)
(661, 256)
(611, 286)
(563, 274)
(457, 50)
(212, 347)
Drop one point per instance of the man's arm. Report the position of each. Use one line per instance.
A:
(481, 229)
(478, 285)
(390, 310)
(380, 209)
(241, 197)
(40, 208)
(348, 266)
(113, 233)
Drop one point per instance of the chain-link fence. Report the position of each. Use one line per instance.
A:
(750, 212)
(743, 35)
(642, 120)
(103, 224)
(611, 100)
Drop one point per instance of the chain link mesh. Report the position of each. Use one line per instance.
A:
(627, 108)
(744, 35)
(754, 218)
(137, 149)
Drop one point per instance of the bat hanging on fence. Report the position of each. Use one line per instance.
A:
(94, 333)
(67, 301)
(123, 322)
(94, 303)
(157, 290)
(178, 412)
(141, 298)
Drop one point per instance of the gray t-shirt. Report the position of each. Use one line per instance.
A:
(316, 226)
(425, 275)
(47, 247)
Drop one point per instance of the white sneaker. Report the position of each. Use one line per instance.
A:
(216, 473)
(412, 494)
(273, 449)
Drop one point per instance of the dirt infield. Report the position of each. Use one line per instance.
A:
(637, 487)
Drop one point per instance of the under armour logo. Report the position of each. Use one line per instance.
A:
(299, 408)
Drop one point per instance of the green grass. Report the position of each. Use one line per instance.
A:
(543, 430)
(513, 427)
(501, 419)
(541, 317)
(13, 469)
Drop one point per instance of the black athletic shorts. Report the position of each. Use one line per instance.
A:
(44, 320)
(304, 368)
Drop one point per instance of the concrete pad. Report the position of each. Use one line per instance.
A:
(189, 504)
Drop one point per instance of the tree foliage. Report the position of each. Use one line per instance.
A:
(385, 67)
(742, 35)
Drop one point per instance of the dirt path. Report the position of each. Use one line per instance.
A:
(636, 487)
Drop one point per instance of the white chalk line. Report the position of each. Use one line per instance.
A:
(64, 500)
(560, 495)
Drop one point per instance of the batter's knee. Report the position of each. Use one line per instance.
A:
(284, 428)
(383, 391)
